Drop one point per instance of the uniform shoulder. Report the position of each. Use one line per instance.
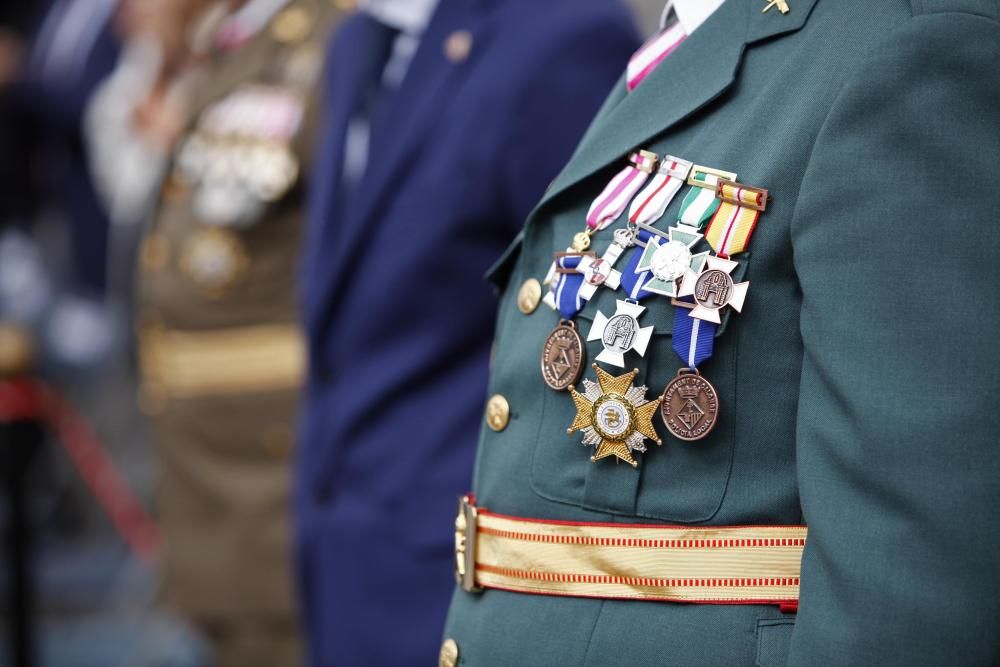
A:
(986, 8)
(582, 31)
(570, 15)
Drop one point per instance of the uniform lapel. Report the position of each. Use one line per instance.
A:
(699, 71)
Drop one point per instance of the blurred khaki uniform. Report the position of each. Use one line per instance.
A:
(221, 355)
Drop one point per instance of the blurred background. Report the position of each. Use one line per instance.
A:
(113, 118)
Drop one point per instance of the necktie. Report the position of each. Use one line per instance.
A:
(652, 53)
(372, 58)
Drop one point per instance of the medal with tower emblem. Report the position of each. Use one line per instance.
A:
(614, 416)
(713, 290)
(620, 333)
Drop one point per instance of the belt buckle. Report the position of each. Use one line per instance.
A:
(465, 545)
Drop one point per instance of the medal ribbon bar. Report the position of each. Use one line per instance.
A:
(564, 295)
(734, 222)
(619, 192)
(653, 201)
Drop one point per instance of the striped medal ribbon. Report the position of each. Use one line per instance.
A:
(650, 205)
(565, 292)
(736, 218)
(619, 192)
(652, 53)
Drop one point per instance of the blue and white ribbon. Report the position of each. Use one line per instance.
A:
(694, 339)
(565, 291)
(634, 281)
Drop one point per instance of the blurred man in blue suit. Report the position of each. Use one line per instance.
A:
(445, 122)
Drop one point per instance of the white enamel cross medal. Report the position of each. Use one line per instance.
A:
(620, 333)
(713, 289)
(671, 258)
(599, 271)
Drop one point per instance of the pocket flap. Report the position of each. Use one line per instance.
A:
(774, 638)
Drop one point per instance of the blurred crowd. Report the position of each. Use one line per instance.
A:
(160, 161)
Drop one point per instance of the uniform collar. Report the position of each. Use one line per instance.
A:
(690, 13)
(409, 16)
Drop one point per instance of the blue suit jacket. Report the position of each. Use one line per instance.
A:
(399, 320)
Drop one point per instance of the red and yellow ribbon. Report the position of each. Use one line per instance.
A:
(734, 222)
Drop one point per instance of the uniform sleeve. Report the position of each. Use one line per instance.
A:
(897, 248)
(570, 75)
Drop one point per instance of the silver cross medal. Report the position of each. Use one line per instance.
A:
(669, 260)
(620, 333)
(599, 271)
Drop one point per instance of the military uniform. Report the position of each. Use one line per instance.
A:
(855, 392)
(222, 357)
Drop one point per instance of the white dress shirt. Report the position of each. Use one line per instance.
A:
(690, 13)
(409, 18)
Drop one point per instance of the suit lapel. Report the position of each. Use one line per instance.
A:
(344, 82)
(402, 124)
(699, 71)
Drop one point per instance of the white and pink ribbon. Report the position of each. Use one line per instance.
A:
(619, 192)
(652, 54)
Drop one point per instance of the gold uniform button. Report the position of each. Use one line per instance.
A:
(530, 296)
(458, 46)
(497, 413)
(448, 657)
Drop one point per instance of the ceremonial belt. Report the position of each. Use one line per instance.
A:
(708, 565)
(221, 362)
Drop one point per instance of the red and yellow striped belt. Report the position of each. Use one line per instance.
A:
(709, 565)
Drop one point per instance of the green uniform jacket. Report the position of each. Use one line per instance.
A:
(860, 388)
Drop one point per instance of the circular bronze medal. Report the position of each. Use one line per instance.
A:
(562, 357)
(690, 405)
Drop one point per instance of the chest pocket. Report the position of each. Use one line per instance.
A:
(681, 482)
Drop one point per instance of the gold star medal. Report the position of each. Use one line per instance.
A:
(614, 416)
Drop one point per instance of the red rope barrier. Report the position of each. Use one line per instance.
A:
(32, 400)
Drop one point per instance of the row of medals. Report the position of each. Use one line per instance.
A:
(612, 413)
(240, 157)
